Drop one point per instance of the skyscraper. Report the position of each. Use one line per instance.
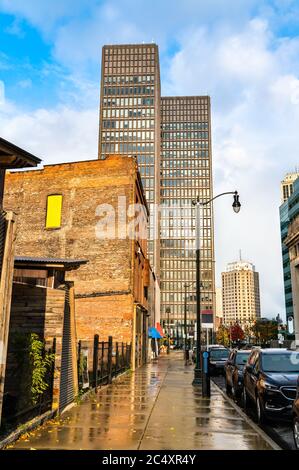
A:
(240, 293)
(288, 211)
(185, 174)
(131, 115)
(130, 119)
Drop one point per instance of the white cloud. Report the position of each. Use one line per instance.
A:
(57, 135)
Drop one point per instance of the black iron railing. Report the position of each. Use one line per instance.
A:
(109, 359)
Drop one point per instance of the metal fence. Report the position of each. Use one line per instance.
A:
(18, 405)
(109, 359)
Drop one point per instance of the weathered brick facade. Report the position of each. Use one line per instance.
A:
(113, 284)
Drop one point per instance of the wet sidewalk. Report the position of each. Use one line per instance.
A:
(154, 408)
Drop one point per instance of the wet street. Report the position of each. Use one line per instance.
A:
(154, 408)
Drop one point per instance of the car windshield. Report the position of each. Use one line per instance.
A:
(219, 354)
(281, 362)
(241, 358)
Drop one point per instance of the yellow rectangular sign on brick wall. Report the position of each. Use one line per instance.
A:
(54, 207)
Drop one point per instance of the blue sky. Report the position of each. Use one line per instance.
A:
(244, 53)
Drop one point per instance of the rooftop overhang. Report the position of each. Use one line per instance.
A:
(49, 263)
(13, 157)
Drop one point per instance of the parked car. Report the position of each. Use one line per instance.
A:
(218, 358)
(270, 382)
(234, 369)
(296, 418)
(206, 348)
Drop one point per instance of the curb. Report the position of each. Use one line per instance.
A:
(249, 421)
(29, 426)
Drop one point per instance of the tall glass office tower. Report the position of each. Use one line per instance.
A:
(130, 120)
(186, 172)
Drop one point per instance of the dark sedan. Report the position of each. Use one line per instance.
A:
(218, 358)
(234, 369)
(270, 382)
(296, 418)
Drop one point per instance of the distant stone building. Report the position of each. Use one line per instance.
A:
(286, 185)
(219, 307)
(240, 293)
(85, 210)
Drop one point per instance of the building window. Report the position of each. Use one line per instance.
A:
(54, 207)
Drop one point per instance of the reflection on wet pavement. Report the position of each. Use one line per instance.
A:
(154, 408)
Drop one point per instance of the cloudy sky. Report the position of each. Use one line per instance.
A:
(243, 53)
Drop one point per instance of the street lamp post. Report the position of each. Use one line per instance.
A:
(168, 329)
(236, 207)
(185, 319)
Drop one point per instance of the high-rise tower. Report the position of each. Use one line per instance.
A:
(240, 293)
(130, 120)
(186, 172)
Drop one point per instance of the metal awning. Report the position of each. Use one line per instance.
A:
(57, 263)
(13, 157)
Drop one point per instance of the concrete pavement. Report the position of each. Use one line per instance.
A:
(154, 408)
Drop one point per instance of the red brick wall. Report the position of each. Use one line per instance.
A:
(84, 186)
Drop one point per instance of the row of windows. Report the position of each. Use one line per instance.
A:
(183, 222)
(180, 173)
(146, 159)
(182, 264)
(182, 126)
(147, 171)
(181, 105)
(178, 310)
(179, 286)
(179, 297)
(178, 233)
(187, 193)
(186, 144)
(179, 211)
(132, 124)
(130, 79)
(128, 113)
(185, 135)
(182, 243)
(206, 274)
(137, 69)
(171, 158)
(129, 101)
(128, 135)
(129, 50)
(188, 183)
(118, 90)
(127, 148)
(130, 61)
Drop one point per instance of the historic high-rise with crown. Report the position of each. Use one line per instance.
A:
(171, 138)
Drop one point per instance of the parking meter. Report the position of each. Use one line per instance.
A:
(206, 383)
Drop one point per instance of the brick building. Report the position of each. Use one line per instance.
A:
(86, 210)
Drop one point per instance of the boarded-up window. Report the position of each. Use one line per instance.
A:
(54, 206)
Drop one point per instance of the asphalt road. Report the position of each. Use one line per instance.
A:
(280, 432)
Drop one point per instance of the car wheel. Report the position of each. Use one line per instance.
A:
(260, 414)
(227, 387)
(245, 399)
(296, 432)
